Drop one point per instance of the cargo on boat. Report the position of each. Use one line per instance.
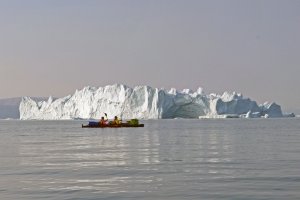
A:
(122, 125)
(113, 124)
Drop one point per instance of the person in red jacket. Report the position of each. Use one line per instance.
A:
(103, 121)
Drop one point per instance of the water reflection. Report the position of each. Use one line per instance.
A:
(123, 160)
(109, 161)
(75, 152)
(165, 160)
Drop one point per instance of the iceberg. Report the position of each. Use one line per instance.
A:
(145, 102)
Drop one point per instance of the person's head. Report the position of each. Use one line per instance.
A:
(116, 117)
(102, 117)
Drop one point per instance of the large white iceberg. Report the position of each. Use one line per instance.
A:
(145, 102)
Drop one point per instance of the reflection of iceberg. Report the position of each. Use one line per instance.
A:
(111, 162)
(145, 102)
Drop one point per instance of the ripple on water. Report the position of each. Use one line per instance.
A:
(172, 159)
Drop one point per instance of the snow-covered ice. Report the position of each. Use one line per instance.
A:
(145, 102)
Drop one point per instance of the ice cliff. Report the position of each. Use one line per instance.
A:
(144, 102)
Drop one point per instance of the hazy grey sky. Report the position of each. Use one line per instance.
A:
(54, 47)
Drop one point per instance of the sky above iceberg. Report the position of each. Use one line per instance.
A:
(57, 46)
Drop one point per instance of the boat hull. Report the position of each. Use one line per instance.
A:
(113, 126)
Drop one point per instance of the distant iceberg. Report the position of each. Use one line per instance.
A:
(145, 102)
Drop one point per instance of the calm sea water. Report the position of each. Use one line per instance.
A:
(167, 159)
